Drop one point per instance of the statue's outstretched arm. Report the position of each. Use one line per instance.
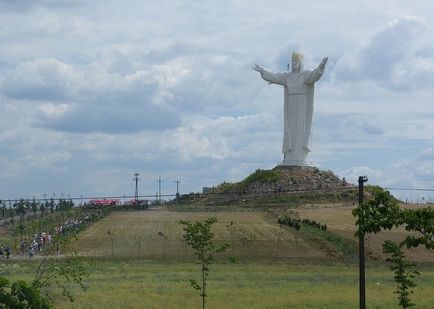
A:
(257, 68)
(316, 74)
(271, 78)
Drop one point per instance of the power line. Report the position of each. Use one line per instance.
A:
(195, 193)
(409, 189)
(240, 193)
(199, 194)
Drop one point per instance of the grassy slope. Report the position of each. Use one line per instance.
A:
(341, 221)
(136, 234)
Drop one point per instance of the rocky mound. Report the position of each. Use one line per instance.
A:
(282, 185)
(283, 179)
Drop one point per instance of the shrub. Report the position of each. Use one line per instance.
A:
(267, 176)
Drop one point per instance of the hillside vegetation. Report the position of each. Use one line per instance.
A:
(158, 235)
(282, 186)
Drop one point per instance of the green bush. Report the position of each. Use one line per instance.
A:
(267, 176)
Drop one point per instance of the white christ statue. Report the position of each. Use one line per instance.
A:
(298, 106)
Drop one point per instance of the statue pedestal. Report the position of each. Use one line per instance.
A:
(296, 163)
(296, 156)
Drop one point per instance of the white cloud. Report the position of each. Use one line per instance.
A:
(53, 110)
(416, 171)
(411, 173)
(41, 79)
(102, 90)
(93, 99)
(390, 58)
(223, 138)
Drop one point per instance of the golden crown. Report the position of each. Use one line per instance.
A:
(297, 56)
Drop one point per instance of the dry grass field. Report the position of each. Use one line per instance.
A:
(157, 234)
(340, 220)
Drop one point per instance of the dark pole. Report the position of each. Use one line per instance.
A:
(159, 188)
(136, 193)
(362, 295)
(177, 187)
(158, 194)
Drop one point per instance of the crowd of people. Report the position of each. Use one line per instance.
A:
(44, 240)
(5, 251)
(38, 242)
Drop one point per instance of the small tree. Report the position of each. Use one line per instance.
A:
(405, 272)
(21, 229)
(199, 237)
(164, 238)
(34, 206)
(246, 239)
(110, 234)
(232, 229)
(11, 209)
(279, 234)
(51, 205)
(27, 205)
(19, 294)
(138, 244)
(50, 275)
(43, 207)
(383, 213)
(20, 208)
(61, 274)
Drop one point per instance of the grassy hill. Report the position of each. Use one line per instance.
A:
(157, 235)
(281, 186)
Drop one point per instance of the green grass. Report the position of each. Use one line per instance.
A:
(142, 284)
(343, 246)
(302, 274)
(263, 176)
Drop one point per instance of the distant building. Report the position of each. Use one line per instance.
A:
(206, 190)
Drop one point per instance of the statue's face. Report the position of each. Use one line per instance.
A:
(296, 64)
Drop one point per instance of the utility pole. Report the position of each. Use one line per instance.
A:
(136, 192)
(177, 187)
(159, 189)
(362, 295)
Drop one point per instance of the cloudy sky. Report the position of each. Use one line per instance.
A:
(93, 91)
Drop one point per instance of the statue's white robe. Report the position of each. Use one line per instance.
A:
(298, 111)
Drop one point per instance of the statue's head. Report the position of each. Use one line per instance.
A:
(297, 62)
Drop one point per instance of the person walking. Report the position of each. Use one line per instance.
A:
(31, 252)
(8, 251)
